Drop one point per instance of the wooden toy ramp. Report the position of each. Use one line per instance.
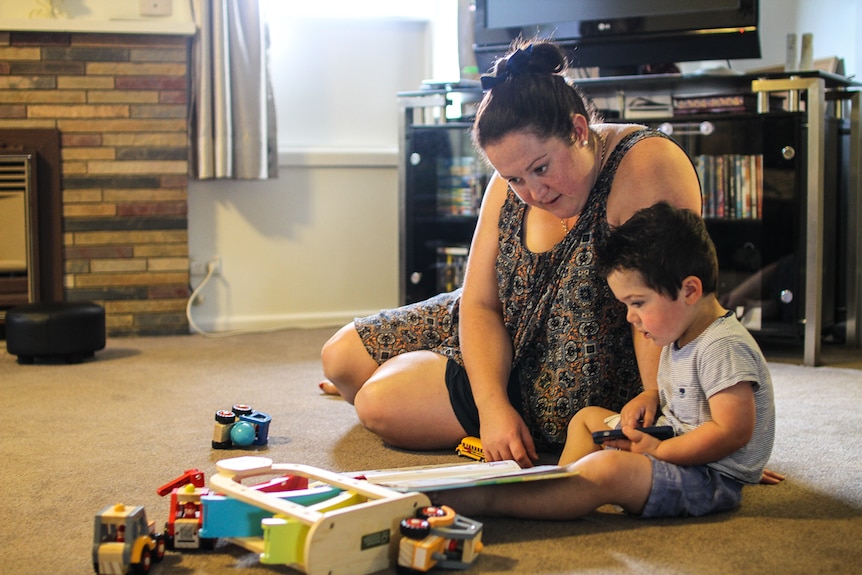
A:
(353, 533)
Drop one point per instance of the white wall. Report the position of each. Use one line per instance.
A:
(316, 245)
(833, 23)
(320, 244)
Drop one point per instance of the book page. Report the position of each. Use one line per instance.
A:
(442, 477)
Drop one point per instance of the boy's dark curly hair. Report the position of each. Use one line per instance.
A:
(665, 245)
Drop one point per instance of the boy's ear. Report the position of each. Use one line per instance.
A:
(692, 289)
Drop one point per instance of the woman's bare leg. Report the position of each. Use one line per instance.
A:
(406, 403)
(346, 363)
(328, 387)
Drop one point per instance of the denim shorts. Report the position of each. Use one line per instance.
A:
(691, 491)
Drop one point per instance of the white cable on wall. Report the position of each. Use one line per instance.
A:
(211, 270)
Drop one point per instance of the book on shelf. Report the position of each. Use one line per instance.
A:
(732, 185)
(460, 185)
(656, 107)
(722, 103)
(460, 475)
(451, 266)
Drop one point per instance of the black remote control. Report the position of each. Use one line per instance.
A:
(661, 432)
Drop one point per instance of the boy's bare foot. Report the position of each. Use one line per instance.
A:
(770, 477)
(328, 387)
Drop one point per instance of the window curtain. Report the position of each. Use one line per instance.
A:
(232, 107)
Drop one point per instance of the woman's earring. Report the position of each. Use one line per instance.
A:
(585, 143)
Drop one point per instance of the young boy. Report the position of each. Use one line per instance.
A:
(714, 388)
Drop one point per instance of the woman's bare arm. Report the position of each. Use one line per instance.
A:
(485, 343)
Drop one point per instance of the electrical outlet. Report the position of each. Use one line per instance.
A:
(201, 267)
(155, 7)
(215, 265)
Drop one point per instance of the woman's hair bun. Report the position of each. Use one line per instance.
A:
(537, 57)
(529, 91)
(547, 58)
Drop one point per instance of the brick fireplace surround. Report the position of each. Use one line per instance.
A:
(120, 103)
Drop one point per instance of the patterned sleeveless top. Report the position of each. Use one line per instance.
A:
(572, 344)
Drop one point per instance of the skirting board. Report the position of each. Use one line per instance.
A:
(285, 321)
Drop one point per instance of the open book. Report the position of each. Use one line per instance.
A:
(443, 477)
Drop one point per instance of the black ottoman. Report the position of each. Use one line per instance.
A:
(69, 331)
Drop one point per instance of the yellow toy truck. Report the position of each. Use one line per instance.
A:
(124, 539)
(471, 448)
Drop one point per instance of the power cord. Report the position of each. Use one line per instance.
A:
(211, 270)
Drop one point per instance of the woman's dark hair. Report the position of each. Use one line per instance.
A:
(527, 91)
(665, 245)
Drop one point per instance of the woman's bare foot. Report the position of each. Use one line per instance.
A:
(328, 387)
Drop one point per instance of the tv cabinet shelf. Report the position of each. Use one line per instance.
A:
(705, 83)
(804, 230)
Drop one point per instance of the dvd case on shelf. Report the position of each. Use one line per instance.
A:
(732, 185)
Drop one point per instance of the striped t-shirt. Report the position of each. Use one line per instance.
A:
(720, 357)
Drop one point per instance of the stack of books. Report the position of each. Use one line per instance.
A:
(721, 103)
(460, 185)
(732, 185)
(451, 266)
(653, 107)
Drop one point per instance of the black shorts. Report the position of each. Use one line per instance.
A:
(461, 396)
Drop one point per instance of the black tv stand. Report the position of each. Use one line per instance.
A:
(645, 70)
(806, 213)
(614, 71)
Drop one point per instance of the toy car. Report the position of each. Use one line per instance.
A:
(124, 538)
(471, 447)
(438, 536)
(240, 426)
(185, 518)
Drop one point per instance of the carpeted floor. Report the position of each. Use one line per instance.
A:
(79, 437)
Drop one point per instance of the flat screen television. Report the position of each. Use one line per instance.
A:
(621, 36)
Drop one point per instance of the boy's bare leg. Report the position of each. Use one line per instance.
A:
(579, 438)
(605, 477)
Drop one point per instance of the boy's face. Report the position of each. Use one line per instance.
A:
(658, 317)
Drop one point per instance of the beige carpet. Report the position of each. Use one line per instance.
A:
(78, 437)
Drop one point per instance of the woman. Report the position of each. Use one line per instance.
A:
(535, 334)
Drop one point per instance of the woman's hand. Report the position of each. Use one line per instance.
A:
(505, 436)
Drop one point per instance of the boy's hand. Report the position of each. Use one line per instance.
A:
(641, 410)
(638, 441)
(641, 442)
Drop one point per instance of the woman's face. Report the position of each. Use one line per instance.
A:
(549, 174)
